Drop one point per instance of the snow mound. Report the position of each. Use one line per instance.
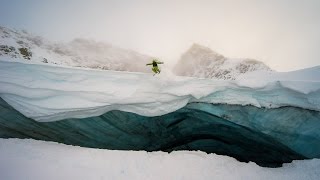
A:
(49, 93)
(31, 159)
(200, 61)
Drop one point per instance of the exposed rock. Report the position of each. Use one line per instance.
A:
(45, 60)
(25, 53)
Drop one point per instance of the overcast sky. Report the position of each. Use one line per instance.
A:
(285, 34)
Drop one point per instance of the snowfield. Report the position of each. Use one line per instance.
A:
(39, 160)
(50, 93)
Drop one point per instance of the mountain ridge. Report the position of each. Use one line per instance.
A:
(16, 44)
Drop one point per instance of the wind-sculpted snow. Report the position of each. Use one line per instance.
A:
(50, 93)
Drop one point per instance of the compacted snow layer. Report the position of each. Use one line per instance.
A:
(31, 159)
(50, 93)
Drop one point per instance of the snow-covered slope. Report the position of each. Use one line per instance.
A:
(49, 93)
(200, 61)
(31, 159)
(21, 45)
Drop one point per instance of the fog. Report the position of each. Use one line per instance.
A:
(284, 34)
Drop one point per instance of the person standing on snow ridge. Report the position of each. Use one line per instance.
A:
(155, 67)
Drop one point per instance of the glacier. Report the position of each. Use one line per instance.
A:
(50, 93)
(269, 118)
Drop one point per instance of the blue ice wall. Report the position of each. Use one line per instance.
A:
(268, 137)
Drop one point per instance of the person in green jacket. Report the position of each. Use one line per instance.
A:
(155, 67)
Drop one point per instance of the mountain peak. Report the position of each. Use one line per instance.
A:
(201, 61)
(195, 47)
(198, 46)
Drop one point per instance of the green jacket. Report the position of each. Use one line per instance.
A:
(154, 63)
